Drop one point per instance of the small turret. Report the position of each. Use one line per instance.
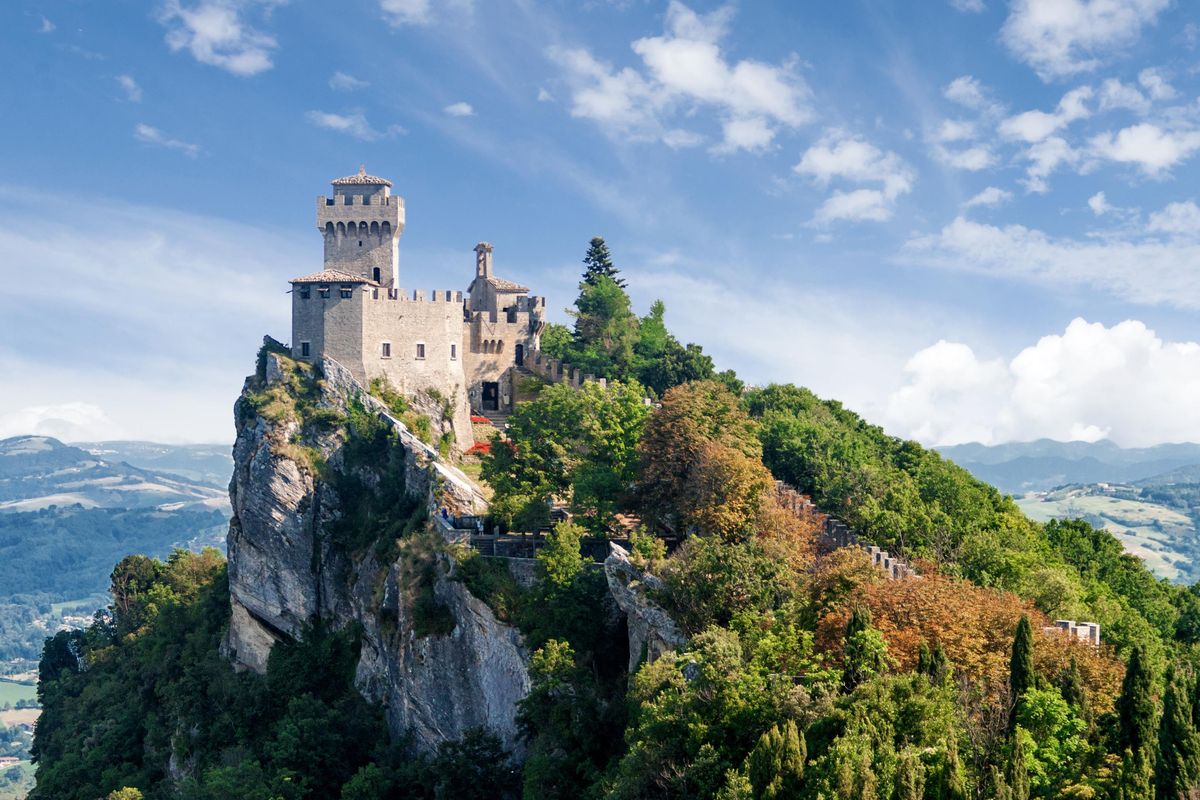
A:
(361, 224)
(483, 260)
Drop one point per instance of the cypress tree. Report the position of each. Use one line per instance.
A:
(1018, 775)
(924, 658)
(1135, 710)
(910, 777)
(939, 666)
(952, 785)
(1134, 780)
(598, 262)
(865, 651)
(1178, 764)
(775, 766)
(791, 766)
(1020, 667)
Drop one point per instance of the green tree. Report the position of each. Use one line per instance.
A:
(605, 330)
(597, 263)
(1021, 676)
(1136, 711)
(1017, 775)
(910, 778)
(775, 766)
(865, 654)
(1177, 769)
(555, 341)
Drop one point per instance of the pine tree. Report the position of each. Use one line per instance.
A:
(1135, 710)
(775, 766)
(1134, 779)
(910, 777)
(1020, 667)
(1018, 775)
(1178, 765)
(598, 262)
(952, 785)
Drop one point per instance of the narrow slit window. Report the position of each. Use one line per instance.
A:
(453, 352)
(305, 350)
(420, 349)
(386, 350)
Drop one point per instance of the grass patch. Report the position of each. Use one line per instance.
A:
(11, 692)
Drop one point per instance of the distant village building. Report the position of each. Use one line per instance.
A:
(1084, 631)
(468, 348)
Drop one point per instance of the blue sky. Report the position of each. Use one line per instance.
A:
(967, 219)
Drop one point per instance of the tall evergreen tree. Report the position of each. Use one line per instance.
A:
(1020, 667)
(1178, 765)
(951, 784)
(865, 653)
(910, 777)
(1018, 774)
(598, 262)
(1135, 781)
(1135, 709)
(775, 766)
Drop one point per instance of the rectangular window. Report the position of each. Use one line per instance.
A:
(453, 352)
(305, 292)
(305, 350)
(323, 290)
(420, 349)
(346, 290)
(387, 350)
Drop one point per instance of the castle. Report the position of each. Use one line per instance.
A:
(470, 349)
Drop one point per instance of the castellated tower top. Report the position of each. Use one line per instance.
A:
(361, 224)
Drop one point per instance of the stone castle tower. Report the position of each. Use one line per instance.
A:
(468, 349)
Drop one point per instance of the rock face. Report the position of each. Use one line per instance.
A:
(652, 632)
(286, 571)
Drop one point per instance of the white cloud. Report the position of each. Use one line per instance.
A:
(841, 156)
(73, 421)
(1150, 147)
(1090, 382)
(1114, 94)
(969, 6)
(216, 33)
(406, 12)
(991, 196)
(1035, 126)
(1044, 158)
(1179, 219)
(971, 159)
(354, 124)
(862, 205)
(1059, 38)
(46, 27)
(345, 82)
(544, 96)
(135, 286)
(682, 71)
(968, 92)
(1130, 266)
(1153, 82)
(151, 135)
(1099, 204)
(133, 92)
(459, 109)
(955, 130)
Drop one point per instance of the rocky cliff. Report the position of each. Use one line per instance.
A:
(327, 532)
(292, 564)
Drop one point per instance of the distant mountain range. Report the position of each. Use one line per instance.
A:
(69, 513)
(1044, 464)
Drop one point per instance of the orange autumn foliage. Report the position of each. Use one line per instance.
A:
(975, 627)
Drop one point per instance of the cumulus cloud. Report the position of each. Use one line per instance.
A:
(1137, 268)
(1148, 146)
(151, 135)
(216, 32)
(1177, 219)
(1090, 382)
(133, 92)
(1059, 38)
(971, 159)
(1099, 204)
(991, 196)
(1156, 84)
(1035, 126)
(1044, 158)
(354, 124)
(839, 156)
(683, 70)
(345, 82)
(459, 109)
(968, 92)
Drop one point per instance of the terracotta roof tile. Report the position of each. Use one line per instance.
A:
(330, 276)
(362, 178)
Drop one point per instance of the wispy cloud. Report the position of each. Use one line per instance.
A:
(460, 109)
(989, 197)
(151, 135)
(352, 124)
(133, 92)
(216, 32)
(344, 82)
(46, 26)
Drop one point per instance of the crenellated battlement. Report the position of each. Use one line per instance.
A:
(358, 200)
(556, 371)
(442, 296)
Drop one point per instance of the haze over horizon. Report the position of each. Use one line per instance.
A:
(966, 220)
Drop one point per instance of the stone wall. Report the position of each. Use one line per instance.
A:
(362, 233)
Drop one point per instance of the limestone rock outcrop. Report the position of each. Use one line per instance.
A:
(652, 631)
(287, 571)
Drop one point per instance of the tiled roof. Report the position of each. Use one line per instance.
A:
(330, 276)
(361, 178)
(507, 286)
